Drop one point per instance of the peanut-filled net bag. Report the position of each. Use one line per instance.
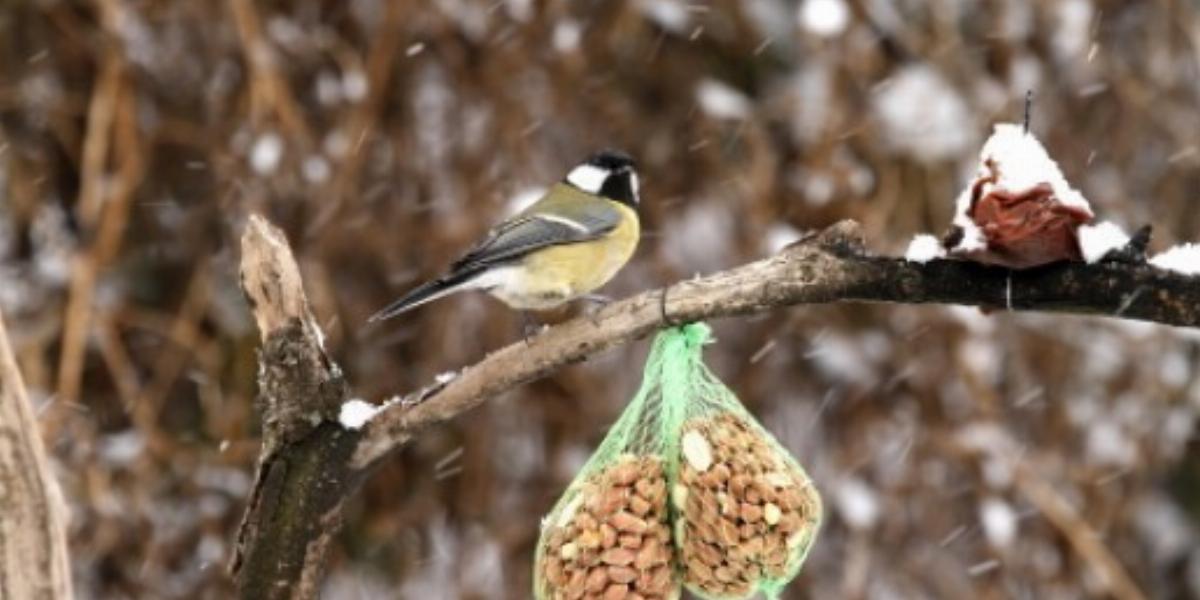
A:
(745, 514)
(609, 535)
(686, 488)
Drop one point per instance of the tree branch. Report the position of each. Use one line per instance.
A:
(303, 472)
(310, 462)
(33, 539)
(829, 267)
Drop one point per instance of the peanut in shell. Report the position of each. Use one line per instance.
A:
(744, 509)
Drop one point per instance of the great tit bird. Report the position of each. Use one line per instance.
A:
(567, 244)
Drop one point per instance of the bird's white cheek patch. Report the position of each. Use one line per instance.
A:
(588, 178)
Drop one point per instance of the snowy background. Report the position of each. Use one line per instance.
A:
(961, 455)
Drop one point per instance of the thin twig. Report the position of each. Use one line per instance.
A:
(380, 64)
(269, 91)
(97, 141)
(184, 335)
(1082, 537)
(104, 209)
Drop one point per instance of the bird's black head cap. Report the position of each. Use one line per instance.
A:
(612, 160)
(608, 173)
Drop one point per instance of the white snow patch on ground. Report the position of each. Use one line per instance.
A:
(842, 357)
(354, 85)
(316, 169)
(336, 144)
(697, 241)
(121, 449)
(567, 34)
(1073, 31)
(55, 244)
(923, 115)
(810, 94)
(1097, 240)
(1184, 258)
(924, 248)
(771, 18)
(1175, 368)
(857, 503)
(266, 153)
(1107, 444)
(721, 101)
(979, 354)
(457, 562)
(826, 18)
(671, 15)
(520, 10)
(999, 522)
(817, 187)
(328, 88)
(1164, 527)
(356, 413)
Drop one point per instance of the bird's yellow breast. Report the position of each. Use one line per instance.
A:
(561, 273)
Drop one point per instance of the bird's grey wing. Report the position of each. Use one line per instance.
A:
(515, 238)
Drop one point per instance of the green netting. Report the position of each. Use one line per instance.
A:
(727, 472)
(603, 490)
(716, 501)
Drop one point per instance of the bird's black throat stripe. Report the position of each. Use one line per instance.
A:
(618, 186)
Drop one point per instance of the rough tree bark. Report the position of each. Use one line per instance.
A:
(33, 541)
(310, 463)
(304, 471)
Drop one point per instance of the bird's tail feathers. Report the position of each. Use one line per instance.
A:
(426, 292)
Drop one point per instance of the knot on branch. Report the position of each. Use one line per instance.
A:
(298, 386)
(842, 239)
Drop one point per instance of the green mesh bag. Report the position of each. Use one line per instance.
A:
(741, 513)
(609, 535)
(745, 513)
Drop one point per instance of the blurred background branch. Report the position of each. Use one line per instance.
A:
(33, 533)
